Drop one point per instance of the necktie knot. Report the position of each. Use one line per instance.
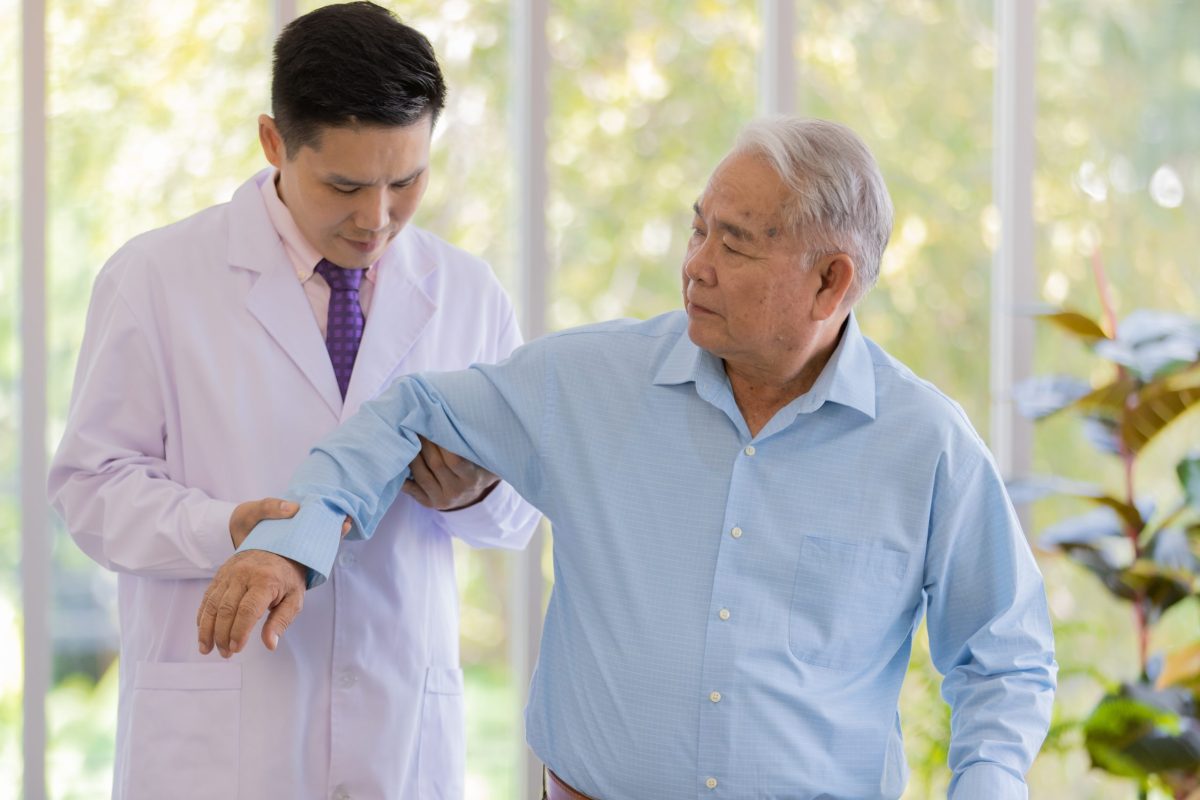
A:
(339, 280)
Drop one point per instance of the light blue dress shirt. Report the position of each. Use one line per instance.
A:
(732, 615)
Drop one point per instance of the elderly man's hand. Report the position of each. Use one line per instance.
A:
(444, 481)
(246, 587)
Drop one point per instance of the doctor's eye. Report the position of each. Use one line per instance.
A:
(346, 190)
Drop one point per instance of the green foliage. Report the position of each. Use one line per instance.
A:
(1141, 557)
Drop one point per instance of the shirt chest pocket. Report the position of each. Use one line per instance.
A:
(847, 602)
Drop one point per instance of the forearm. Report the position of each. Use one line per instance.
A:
(998, 724)
(129, 519)
(357, 470)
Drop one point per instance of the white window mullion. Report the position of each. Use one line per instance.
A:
(1013, 273)
(530, 111)
(282, 12)
(777, 62)
(35, 530)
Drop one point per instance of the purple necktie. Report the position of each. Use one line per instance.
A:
(344, 326)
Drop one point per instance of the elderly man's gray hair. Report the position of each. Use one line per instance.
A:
(839, 202)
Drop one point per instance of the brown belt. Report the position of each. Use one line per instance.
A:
(557, 789)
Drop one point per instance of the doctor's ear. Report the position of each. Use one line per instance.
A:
(272, 141)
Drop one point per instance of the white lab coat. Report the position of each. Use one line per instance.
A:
(202, 382)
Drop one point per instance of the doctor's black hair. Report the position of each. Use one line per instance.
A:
(351, 64)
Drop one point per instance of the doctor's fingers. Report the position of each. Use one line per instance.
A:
(413, 490)
(440, 459)
(424, 476)
(248, 514)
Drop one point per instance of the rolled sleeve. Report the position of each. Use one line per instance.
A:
(987, 782)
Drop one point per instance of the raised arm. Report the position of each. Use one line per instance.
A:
(491, 415)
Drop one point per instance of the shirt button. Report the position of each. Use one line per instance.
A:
(715, 697)
(346, 679)
(749, 450)
(736, 532)
(341, 794)
(347, 559)
(723, 613)
(711, 783)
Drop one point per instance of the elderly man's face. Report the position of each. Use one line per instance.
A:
(747, 293)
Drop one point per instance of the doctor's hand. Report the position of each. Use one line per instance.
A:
(248, 514)
(446, 482)
(246, 587)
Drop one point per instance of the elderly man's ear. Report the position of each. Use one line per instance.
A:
(837, 281)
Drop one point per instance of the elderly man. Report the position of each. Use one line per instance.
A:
(753, 508)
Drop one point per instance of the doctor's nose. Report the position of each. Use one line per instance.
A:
(373, 213)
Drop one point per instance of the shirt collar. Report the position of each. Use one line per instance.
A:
(847, 379)
(303, 256)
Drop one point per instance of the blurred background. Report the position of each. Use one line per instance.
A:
(150, 111)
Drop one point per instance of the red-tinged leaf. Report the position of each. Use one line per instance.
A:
(1081, 325)
(1181, 667)
(1157, 405)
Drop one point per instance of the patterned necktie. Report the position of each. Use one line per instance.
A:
(344, 327)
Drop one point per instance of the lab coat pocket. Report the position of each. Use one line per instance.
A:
(442, 759)
(183, 731)
(846, 601)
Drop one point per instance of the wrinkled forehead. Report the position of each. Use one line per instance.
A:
(745, 190)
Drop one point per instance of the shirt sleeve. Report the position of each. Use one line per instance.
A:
(503, 518)
(109, 479)
(489, 414)
(989, 630)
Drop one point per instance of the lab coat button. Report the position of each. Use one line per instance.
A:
(346, 678)
(347, 558)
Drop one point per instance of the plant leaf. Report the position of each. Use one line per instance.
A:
(1162, 587)
(1103, 433)
(1139, 732)
(1039, 397)
(1181, 667)
(1156, 405)
(1171, 550)
(1085, 529)
(1081, 325)
(1032, 488)
(1109, 399)
(1189, 475)
(1153, 343)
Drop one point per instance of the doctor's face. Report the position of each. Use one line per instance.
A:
(355, 188)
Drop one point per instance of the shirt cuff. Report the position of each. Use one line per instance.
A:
(310, 538)
(988, 782)
(212, 532)
(483, 512)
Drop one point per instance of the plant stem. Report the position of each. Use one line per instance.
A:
(1110, 314)
(1127, 459)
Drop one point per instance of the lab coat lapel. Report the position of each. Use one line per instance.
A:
(400, 311)
(277, 298)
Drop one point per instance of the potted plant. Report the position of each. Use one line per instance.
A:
(1146, 727)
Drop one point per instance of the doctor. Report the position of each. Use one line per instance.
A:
(267, 320)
